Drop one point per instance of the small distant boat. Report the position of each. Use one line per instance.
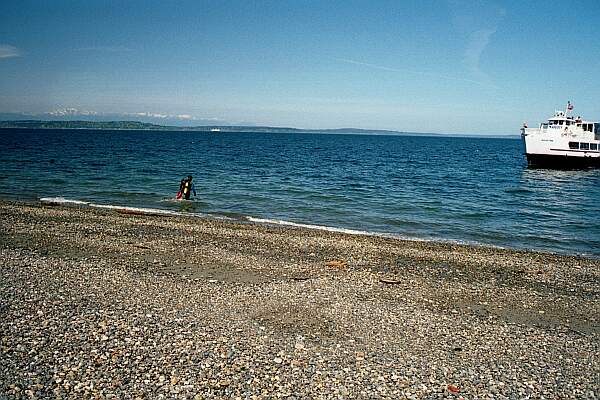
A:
(563, 142)
(215, 130)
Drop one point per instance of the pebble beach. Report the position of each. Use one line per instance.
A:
(105, 304)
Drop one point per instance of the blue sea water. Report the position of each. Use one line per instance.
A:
(472, 190)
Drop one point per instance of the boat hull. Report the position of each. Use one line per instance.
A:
(561, 161)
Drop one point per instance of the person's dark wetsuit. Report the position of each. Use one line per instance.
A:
(188, 188)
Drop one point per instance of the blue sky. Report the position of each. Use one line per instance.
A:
(427, 66)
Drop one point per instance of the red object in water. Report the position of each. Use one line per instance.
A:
(179, 195)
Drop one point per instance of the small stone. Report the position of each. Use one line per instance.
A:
(453, 389)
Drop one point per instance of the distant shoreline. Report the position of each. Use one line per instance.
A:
(216, 129)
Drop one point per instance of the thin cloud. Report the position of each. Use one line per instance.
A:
(105, 49)
(476, 45)
(477, 22)
(405, 71)
(364, 64)
(8, 51)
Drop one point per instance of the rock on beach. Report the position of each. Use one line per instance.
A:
(100, 304)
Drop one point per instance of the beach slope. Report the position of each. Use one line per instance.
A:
(100, 304)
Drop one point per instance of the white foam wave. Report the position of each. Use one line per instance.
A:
(316, 227)
(62, 200)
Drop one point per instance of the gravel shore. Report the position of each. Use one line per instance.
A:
(102, 304)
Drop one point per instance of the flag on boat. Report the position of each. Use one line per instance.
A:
(569, 106)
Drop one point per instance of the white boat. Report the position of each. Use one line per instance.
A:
(215, 130)
(563, 142)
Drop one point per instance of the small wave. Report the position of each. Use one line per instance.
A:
(328, 228)
(57, 181)
(173, 200)
(474, 215)
(63, 201)
(310, 226)
(517, 190)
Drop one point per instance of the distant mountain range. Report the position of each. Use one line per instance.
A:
(74, 119)
(137, 125)
(74, 114)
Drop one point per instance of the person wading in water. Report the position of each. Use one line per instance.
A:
(188, 188)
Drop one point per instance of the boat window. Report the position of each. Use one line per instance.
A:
(597, 129)
(593, 146)
(544, 126)
(584, 146)
(568, 122)
(574, 145)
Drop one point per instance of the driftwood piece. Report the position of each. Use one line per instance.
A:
(390, 281)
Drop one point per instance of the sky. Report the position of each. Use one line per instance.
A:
(447, 66)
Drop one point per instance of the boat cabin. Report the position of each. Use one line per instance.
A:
(562, 121)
